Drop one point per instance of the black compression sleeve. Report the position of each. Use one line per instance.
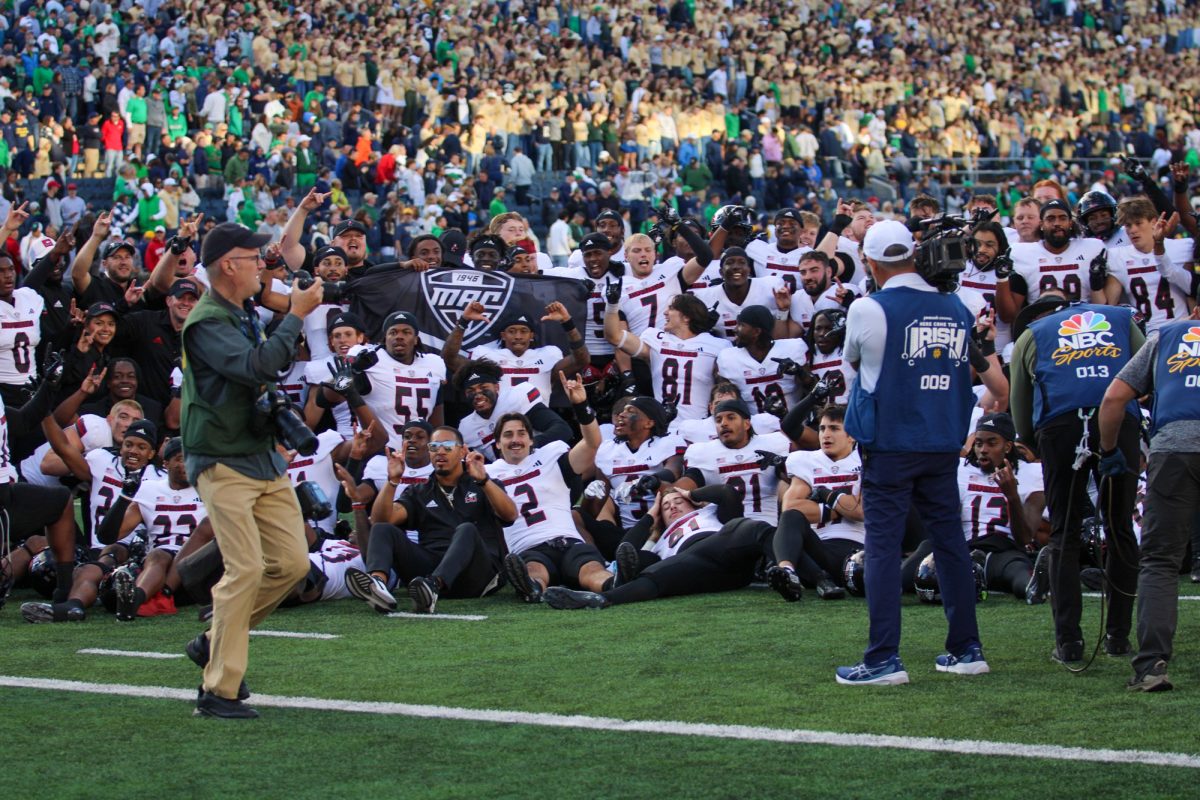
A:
(1017, 284)
(792, 424)
(701, 248)
(110, 529)
(640, 532)
(728, 505)
(548, 426)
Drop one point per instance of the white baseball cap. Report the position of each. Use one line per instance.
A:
(884, 235)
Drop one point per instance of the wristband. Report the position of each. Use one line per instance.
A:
(486, 480)
(1180, 187)
(576, 344)
(462, 323)
(583, 414)
(358, 506)
(568, 325)
(840, 223)
(780, 316)
(624, 336)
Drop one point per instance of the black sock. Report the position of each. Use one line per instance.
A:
(608, 584)
(64, 574)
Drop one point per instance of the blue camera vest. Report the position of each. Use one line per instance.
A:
(1177, 374)
(922, 402)
(1080, 349)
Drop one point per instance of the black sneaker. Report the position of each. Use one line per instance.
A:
(1117, 646)
(529, 590)
(561, 597)
(124, 587)
(1039, 582)
(1068, 652)
(1152, 680)
(628, 563)
(1092, 578)
(828, 590)
(786, 582)
(210, 705)
(423, 592)
(205, 613)
(51, 612)
(198, 651)
(1196, 571)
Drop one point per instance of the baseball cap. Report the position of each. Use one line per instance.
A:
(998, 423)
(328, 251)
(229, 236)
(345, 319)
(788, 213)
(345, 226)
(454, 244)
(489, 241)
(418, 423)
(400, 318)
(758, 316)
(184, 286)
(1054, 205)
(519, 318)
(732, 252)
(113, 247)
(889, 234)
(595, 241)
(100, 309)
(143, 429)
(72, 186)
(608, 213)
(735, 404)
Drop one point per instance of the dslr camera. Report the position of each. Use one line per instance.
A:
(333, 292)
(276, 415)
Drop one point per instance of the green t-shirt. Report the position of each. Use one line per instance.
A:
(136, 109)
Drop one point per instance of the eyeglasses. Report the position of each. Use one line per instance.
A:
(445, 447)
(256, 257)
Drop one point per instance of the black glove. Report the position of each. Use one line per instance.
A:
(821, 390)
(52, 370)
(669, 216)
(132, 481)
(736, 218)
(1135, 169)
(769, 460)
(365, 360)
(1098, 272)
(612, 292)
(1002, 266)
(788, 366)
(647, 485)
(179, 244)
(831, 499)
(776, 406)
(840, 223)
(627, 385)
(672, 409)
(1113, 463)
(656, 234)
(819, 494)
(343, 381)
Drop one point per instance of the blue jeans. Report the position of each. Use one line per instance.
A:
(891, 484)
(582, 156)
(595, 148)
(545, 157)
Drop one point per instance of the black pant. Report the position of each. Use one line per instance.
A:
(814, 558)
(1067, 499)
(26, 509)
(466, 568)
(723, 561)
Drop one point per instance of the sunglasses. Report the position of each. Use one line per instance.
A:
(443, 446)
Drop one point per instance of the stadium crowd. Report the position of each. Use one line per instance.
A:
(679, 426)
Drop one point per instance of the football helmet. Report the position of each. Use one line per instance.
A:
(1094, 201)
(731, 218)
(855, 574)
(926, 582)
(42, 576)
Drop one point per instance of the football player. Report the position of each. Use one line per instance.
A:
(608, 223)
(20, 332)
(826, 337)
(738, 290)
(767, 372)
(330, 265)
(821, 289)
(1097, 213)
(1158, 288)
(479, 382)
(346, 332)
(704, 430)
(88, 432)
(781, 257)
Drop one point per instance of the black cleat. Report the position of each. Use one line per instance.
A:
(424, 594)
(786, 582)
(561, 597)
(51, 612)
(1068, 652)
(210, 705)
(198, 651)
(1039, 582)
(529, 590)
(1092, 578)
(828, 590)
(628, 564)
(124, 587)
(1117, 645)
(371, 590)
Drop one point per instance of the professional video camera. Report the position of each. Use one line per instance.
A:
(947, 243)
(277, 415)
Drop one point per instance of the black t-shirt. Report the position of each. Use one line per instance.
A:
(149, 339)
(435, 519)
(102, 289)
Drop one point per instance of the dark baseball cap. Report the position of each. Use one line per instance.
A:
(328, 251)
(100, 309)
(758, 316)
(788, 213)
(230, 236)
(732, 252)
(143, 429)
(400, 318)
(1052, 205)
(418, 423)
(489, 241)
(608, 213)
(112, 247)
(345, 319)
(185, 286)
(1001, 424)
(519, 318)
(595, 241)
(454, 246)
(735, 404)
(349, 225)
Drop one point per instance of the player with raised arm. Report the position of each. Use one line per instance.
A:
(479, 382)
(1158, 287)
(768, 372)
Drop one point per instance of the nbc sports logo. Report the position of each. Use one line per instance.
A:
(1087, 329)
(1187, 356)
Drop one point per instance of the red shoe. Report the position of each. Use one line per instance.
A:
(157, 605)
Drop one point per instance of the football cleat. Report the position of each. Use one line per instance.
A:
(561, 597)
(124, 585)
(889, 673)
(969, 663)
(628, 564)
(828, 590)
(371, 590)
(423, 592)
(529, 590)
(786, 582)
(51, 612)
(1039, 582)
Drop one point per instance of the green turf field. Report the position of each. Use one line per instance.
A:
(744, 658)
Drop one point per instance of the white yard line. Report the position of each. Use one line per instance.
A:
(1181, 597)
(975, 747)
(100, 651)
(467, 617)
(295, 635)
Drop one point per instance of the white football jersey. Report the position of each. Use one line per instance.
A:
(317, 372)
(761, 293)
(620, 465)
(817, 469)
(833, 365)
(592, 328)
(1067, 271)
(20, 333)
(316, 329)
(477, 432)
(542, 497)
(94, 432)
(535, 366)
(334, 559)
(644, 301)
(1154, 297)
(804, 305)
(770, 260)
(759, 380)
(319, 468)
(294, 385)
(682, 370)
(690, 525)
(170, 515)
(8, 470)
(376, 470)
(704, 430)
(985, 510)
(738, 468)
(402, 392)
(711, 276)
(984, 282)
(108, 477)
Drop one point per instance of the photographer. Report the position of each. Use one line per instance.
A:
(228, 364)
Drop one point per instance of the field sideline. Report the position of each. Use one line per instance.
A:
(746, 677)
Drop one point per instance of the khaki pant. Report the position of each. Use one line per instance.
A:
(261, 535)
(91, 162)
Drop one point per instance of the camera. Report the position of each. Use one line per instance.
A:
(313, 502)
(277, 415)
(945, 247)
(333, 292)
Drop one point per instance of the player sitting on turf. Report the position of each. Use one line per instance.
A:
(328, 562)
(705, 430)
(697, 547)
(14, 565)
(544, 546)
(822, 520)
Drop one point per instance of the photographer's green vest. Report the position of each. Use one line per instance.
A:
(226, 425)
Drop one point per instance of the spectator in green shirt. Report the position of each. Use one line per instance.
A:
(237, 168)
(177, 126)
(714, 204)
(497, 207)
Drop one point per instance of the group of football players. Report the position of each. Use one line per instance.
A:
(691, 440)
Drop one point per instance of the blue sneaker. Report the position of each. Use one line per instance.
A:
(969, 663)
(889, 673)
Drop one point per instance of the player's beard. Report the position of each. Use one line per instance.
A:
(1058, 240)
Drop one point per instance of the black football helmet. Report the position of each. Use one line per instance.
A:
(926, 582)
(854, 573)
(1094, 201)
(42, 577)
(733, 218)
